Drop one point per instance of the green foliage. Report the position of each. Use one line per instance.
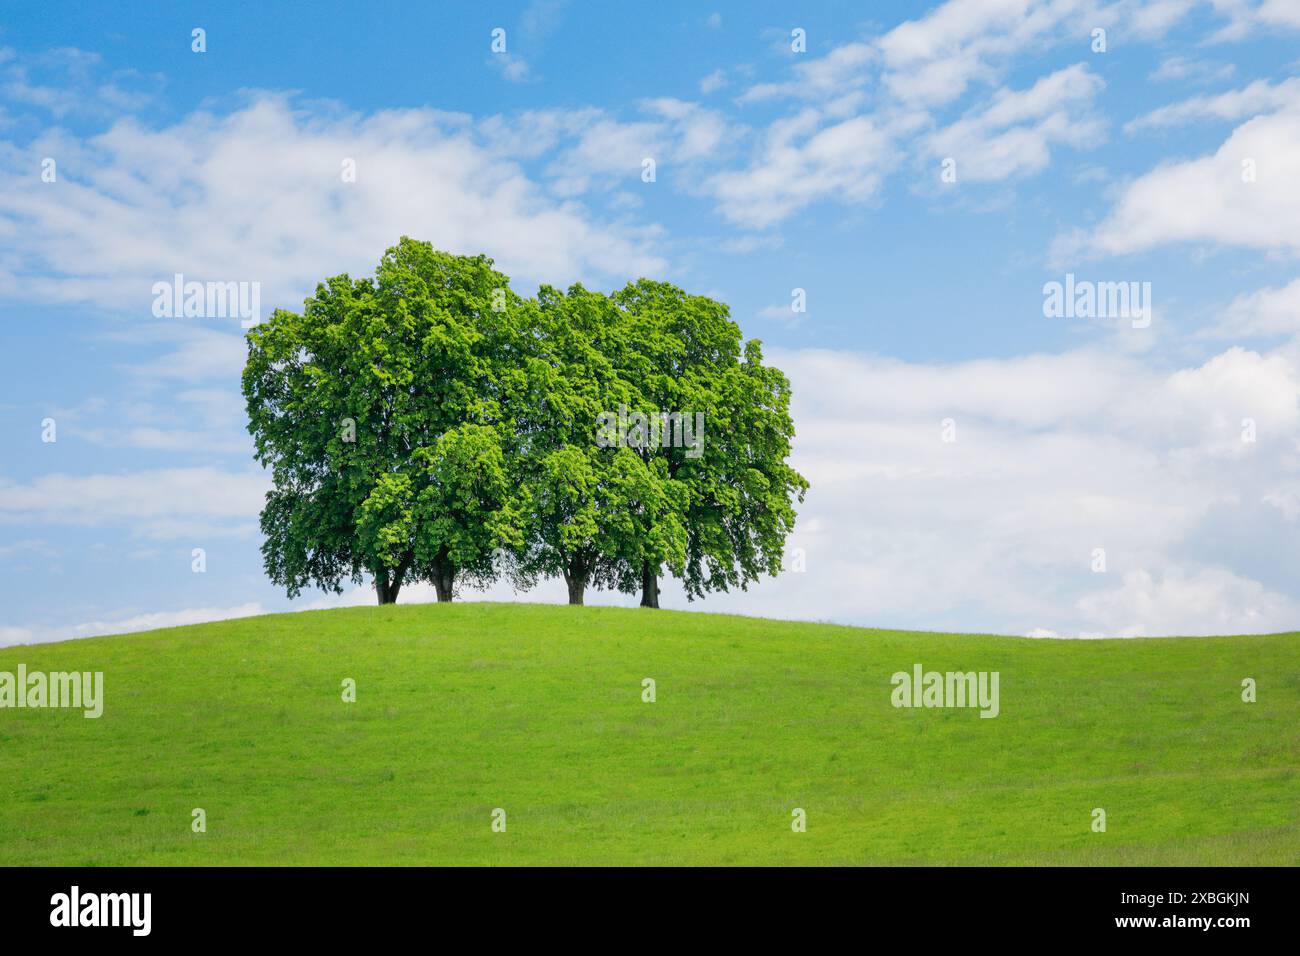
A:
(593, 511)
(412, 362)
(430, 425)
(735, 496)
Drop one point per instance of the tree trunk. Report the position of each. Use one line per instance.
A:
(381, 587)
(388, 583)
(575, 576)
(444, 578)
(576, 587)
(649, 585)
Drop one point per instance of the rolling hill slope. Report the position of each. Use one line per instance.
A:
(538, 710)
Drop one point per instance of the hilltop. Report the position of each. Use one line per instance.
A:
(465, 708)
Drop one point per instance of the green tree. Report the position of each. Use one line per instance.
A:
(732, 488)
(586, 506)
(382, 411)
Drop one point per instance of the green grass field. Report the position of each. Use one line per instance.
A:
(537, 710)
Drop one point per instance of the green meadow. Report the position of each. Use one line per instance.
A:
(465, 708)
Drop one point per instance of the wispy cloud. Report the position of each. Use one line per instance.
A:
(160, 503)
(259, 195)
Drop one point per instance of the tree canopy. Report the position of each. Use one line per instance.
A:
(429, 424)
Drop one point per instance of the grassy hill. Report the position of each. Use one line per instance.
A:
(537, 709)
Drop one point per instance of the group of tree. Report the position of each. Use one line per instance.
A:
(429, 424)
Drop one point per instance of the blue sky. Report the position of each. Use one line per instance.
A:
(775, 170)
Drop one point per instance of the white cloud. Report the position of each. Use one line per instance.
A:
(17, 635)
(125, 625)
(1263, 313)
(782, 313)
(161, 503)
(258, 195)
(801, 162)
(1151, 19)
(1257, 98)
(537, 22)
(513, 68)
(821, 78)
(934, 60)
(196, 351)
(1013, 134)
(593, 149)
(1181, 603)
(66, 82)
(187, 398)
(1180, 68)
(1248, 16)
(33, 546)
(713, 82)
(1210, 200)
(1279, 13)
(865, 101)
(1055, 455)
